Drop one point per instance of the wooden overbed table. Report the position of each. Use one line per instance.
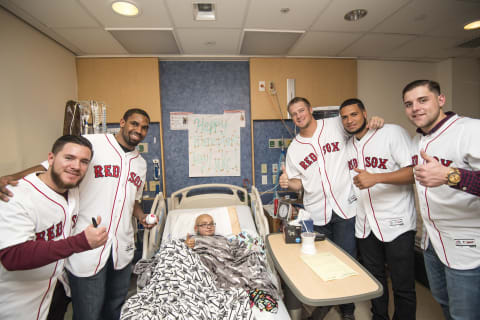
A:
(308, 287)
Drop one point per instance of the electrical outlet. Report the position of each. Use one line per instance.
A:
(264, 179)
(274, 179)
(264, 168)
(153, 185)
(261, 86)
(274, 167)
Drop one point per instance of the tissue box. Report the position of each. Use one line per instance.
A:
(292, 234)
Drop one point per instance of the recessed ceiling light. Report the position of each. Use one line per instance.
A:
(355, 15)
(204, 11)
(472, 25)
(125, 8)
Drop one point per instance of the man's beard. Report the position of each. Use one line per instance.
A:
(362, 127)
(58, 181)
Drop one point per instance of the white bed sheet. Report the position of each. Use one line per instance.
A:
(181, 221)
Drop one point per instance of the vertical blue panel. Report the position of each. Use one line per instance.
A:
(263, 130)
(202, 87)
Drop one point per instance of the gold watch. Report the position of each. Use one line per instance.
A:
(453, 177)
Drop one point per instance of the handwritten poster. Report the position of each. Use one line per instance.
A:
(214, 145)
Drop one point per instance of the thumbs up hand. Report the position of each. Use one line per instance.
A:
(364, 179)
(431, 173)
(283, 180)
(190, 242)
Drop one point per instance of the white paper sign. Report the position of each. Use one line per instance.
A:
(179, 120)
(241, 115)
(213, 145)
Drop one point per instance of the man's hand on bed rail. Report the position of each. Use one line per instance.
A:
(190, 242)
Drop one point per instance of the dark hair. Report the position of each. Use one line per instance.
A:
(433, 86)
(68, 138)
(129, 112)
(351, 101)
(298, 99)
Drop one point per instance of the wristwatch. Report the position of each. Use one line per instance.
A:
(453, 177)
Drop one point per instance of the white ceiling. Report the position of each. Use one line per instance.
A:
(421, 30)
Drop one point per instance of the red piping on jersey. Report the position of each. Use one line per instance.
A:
(323, 188)
(369, 194)
(326, 175)
(123, 204)
(114, 201)
(426, 188)
(63, 234)
(364, 220)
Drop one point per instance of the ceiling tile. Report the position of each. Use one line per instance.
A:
(323, 43)
(268, 42)
(209, 41)
(229, 14)
(422, 16)
(147, 41)
(153, 14)
(57, 14)
(265, 14)
(92, 41)
(375, 45)
(429, 47)
(332, 18)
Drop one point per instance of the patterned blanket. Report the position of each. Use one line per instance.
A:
(212, 281)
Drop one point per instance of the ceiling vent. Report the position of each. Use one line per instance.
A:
(471, 44)
(204, 11)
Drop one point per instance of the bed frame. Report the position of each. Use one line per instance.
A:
(203, 196)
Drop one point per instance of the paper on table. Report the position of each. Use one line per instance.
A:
(327, 266)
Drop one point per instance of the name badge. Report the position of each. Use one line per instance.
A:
(470, 243)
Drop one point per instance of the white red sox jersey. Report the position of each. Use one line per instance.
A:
(451, 217)
(35, 212)
(114, 180)
(386, 209)
(321, 163)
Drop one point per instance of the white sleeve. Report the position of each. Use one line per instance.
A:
(292, 171)
(400, 145)
(469, 146)
(16, 225)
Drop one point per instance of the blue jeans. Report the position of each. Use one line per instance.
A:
(342, 233)
(100, 296)
(457, 291)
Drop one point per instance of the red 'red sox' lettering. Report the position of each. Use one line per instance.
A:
(136, 180)
(308, 160)
(331, 147)
(50, 233)
(444, 162)
(374, 162)
(106, 171)
(352, 164)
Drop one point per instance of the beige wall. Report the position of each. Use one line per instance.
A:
(466, 87)
(37, 77)
(121, 83)
(380, 85)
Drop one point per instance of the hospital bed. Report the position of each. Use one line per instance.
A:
(187, 203)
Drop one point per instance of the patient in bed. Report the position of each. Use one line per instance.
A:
(204, 226)
(207, 274)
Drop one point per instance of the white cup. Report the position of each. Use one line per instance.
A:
(308, 243)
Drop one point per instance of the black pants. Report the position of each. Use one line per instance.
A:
(59, 304)
(400, 258)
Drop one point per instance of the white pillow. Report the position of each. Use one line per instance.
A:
(182, 221)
